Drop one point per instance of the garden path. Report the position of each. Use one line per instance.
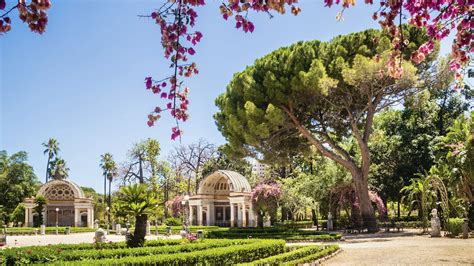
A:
(41, 240)
(403, 249)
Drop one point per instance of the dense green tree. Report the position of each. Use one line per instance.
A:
(97, 200)
(320, 93)
(223, 161)
(137, 200)
(17, 182)
(40, 201)
(52, 149)
(18, 214)
(59, 169)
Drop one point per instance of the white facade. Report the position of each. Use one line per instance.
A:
(74, 209)
(259, 169)
(223, 199)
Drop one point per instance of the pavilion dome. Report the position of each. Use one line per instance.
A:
(224, 181)
(61, 189)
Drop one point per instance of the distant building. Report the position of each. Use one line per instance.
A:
(66, 205)
(259, 169)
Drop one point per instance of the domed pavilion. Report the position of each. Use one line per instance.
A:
(73, 207)
(223, 199)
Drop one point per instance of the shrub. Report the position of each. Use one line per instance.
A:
(172, 221)
(214, 256)
(287, 256)
(454, 226)
(312, 257)
(52, 253)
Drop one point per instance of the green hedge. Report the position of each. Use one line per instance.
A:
(454, 226)
(215, 256)
(52, 254)
(298, 253)
(295, 224)
(274, 233)
(48, 230)
(177, 229)
(315, 256)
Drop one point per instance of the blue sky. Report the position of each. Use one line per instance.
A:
(81, 82)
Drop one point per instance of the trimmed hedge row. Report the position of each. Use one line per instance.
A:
(315, 256)
(46, 255)
(274, 233)
(215, 256)
(301, 252)
(48, 230)
(177, 229)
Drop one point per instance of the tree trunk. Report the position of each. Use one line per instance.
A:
(314, 217)
(398, 208)
(138, 238)
(47, 168)
(109, 203)
(105, 192)
(365, 205)
(259, 220)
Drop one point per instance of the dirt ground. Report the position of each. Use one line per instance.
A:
(403, 249)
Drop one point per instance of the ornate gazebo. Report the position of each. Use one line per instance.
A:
(74, 209)
(223, 199)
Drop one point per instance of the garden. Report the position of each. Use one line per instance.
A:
(345, 135)
(170, 252)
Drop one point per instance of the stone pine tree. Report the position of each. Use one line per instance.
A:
(322, 94)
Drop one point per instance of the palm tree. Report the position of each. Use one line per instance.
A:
(59, 169)
(109, 171)
(52, 149)
(140, 201)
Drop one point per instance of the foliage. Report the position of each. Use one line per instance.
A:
(274, 233)
(53, 254)
(213, 256)
(17, 181)
(454, 226)
(419, 194)
(139, 201)
(176, 20)
(40, 202)
(59, 169)
(223, 160)
(265, 198)
(172, 221)
(316, 94)
(18, 215)
(279, 259)
(52, 149)
(48, 230)
(177, 208)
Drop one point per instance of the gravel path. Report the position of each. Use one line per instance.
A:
(405, 250)
(41, 240)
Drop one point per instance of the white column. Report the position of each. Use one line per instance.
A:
(30, 217)
(239, 215)
(190, 218)
(90, 217)
(208, 216)
(199, 215)
(44, 216)
(244, 219)
(251, 216)
(27, 219)
(232, 216)
(76, 216)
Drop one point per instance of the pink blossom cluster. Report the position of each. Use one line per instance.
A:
(175, 19)
(267, 196)
(34, 14)
(375, 198)
(175, 205)
(439, 17)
